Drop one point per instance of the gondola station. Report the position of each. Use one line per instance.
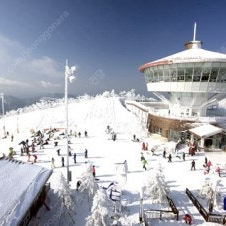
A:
(189, 86)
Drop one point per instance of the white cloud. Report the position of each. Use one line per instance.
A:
(44, 66)
(45, 84)
(8, 82)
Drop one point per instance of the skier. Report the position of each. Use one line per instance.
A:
(218, 170)
(125, 166)
(55, 143)
(79, 134)
(94, 171)
(85, 133)
(142, 157)
(35, 158)
(78, 184)
(143, 146)
(41, 143)
(146, 147)
(33, 147)
(206, 160)
(28, 157)
(62, 161)
(144, 163)
(208, 164)
(134, 137)
(74, 157)
(86, 153)
(187, 218)
(58, 152)
(164, 153)
(183, 156)
(53, 163)
(193, 165)
(170, 158)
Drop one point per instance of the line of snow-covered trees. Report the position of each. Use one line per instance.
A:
(46, 102)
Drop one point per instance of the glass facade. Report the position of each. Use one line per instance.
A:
(187, 72)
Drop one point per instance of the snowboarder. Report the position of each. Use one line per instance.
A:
(93, 171)
(53, 163)
(187, 218)
(86, 153)
(74, 157)
(170, 158)
(62, 161)
(193, 165)
(183, 156)
(144, 163)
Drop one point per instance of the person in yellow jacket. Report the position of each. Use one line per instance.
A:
(144, 163)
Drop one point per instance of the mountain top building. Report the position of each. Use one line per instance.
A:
(189, 85)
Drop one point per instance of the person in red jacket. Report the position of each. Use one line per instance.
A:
(35, 158)
(143, 146)
(218, 170)
(187, 218)
(94, 171)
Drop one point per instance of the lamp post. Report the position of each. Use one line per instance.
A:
(3, 113)
(68, 76)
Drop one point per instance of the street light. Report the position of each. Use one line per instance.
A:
(3, 112)
(68, 76)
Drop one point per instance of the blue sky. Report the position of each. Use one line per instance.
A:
(106, 39)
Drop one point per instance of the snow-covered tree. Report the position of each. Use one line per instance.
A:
(88, 185)
(101, 210)
(156, 187)
(66, 201)
(131, 94)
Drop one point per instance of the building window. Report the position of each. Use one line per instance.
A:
(157, 130)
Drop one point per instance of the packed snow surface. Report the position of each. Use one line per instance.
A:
(108, 157)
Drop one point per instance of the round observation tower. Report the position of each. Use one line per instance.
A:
(189, 81)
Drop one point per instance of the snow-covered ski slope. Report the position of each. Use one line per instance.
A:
(95, 114)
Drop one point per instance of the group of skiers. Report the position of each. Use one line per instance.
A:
(29, 146)
(207, 167)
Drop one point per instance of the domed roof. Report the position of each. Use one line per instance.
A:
(193, 54)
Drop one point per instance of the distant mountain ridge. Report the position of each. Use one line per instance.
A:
(13, 103)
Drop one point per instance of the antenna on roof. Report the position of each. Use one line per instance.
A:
(194, 34)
